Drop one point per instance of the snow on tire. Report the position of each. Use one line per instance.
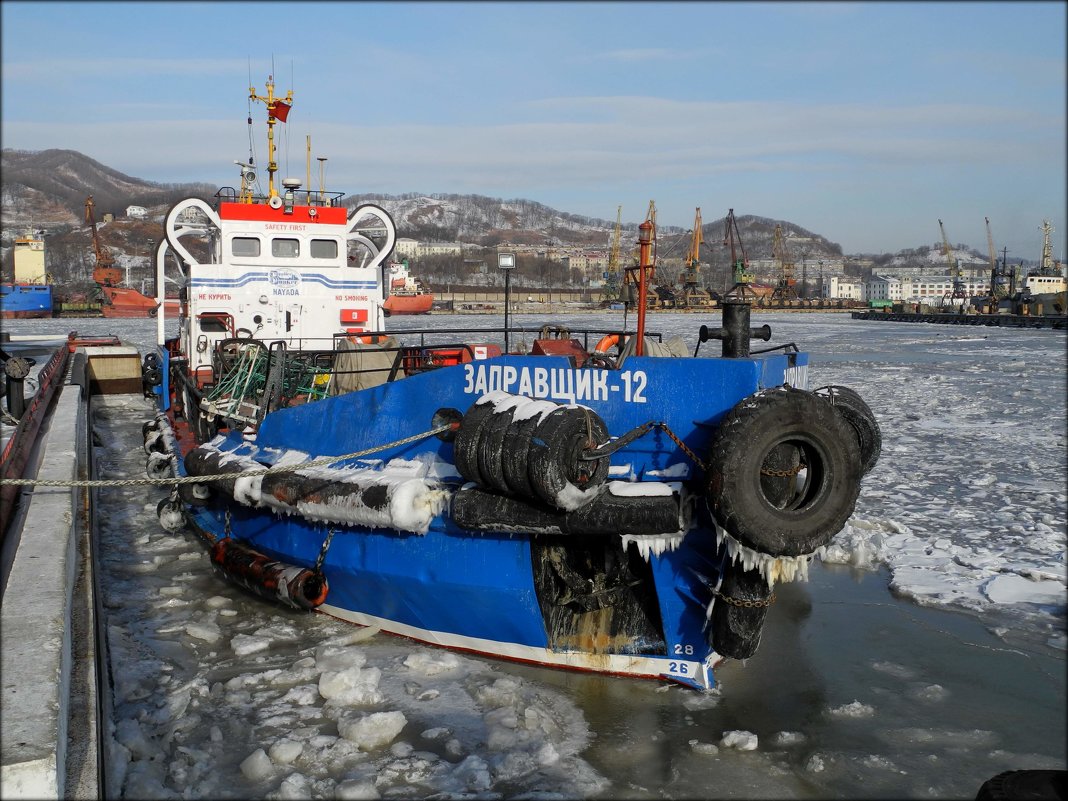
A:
(558, 474)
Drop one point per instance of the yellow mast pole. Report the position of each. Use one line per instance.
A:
(272, 106)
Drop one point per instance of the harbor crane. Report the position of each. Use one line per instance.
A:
(957, 293)
(611, 285)
(693, 294)
(739, 266)
(105, 272)
(999, 280)
(786, 289)
(693, 258)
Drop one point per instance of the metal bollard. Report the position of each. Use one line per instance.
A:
(15, 370)
(735, 332)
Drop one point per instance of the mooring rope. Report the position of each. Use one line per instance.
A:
(173, 480)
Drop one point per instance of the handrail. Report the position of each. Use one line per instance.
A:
(302, 197)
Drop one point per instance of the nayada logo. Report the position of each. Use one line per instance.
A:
(284, 282)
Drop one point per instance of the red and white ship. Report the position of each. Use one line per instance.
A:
(407, 294)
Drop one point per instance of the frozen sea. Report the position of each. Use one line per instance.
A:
(925, 655)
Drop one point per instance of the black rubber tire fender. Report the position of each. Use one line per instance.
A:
(491, 449)
(158, 465)
(860, 416)
(515, 455)
(195, 494)
(735, 627)
(465, 446)
(770, 514)
(554, 464)
(171, 511)
(149, 426)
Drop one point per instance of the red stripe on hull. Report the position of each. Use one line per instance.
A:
(23, 315)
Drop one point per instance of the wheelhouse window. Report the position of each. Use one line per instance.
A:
(285, 248)
(245, 246)
(324, 248)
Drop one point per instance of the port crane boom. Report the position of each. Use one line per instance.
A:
(786, 289)
(693, 258)
(739, 267)
(104, 271)
(693, 294)
(954, 270)
(990, 247)
(611, 289)
(999, 282)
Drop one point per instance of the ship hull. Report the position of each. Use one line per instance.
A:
(409, 304)
(126, 303)
(507, 588)
(20, 301)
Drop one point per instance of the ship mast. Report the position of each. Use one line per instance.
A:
(277, 109)
(1047, 266)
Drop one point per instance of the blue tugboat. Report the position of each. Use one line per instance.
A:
(606, 501)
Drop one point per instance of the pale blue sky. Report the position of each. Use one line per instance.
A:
(864, 122)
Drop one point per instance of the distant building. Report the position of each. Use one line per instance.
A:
(928, 287)
(405, 247)
(882, 287)
(412, 248)
(842, 288)
(439, 249)
(586, 262)
(136, 212)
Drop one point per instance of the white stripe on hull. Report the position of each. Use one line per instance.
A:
(621, 664)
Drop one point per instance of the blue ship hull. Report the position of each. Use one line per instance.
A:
(25, 300)
(494, 588)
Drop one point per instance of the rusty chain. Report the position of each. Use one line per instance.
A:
(746, 604)
(322, 552)
(682, 445)
(793, 471)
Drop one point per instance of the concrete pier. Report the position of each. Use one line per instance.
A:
(50, 714)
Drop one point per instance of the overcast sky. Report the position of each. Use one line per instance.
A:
(863, 122)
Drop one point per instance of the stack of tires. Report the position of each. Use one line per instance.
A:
(532, 449)
(151, 375)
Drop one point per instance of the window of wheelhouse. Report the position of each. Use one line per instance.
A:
(285, 248)
(245, 247)
(323, 248)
